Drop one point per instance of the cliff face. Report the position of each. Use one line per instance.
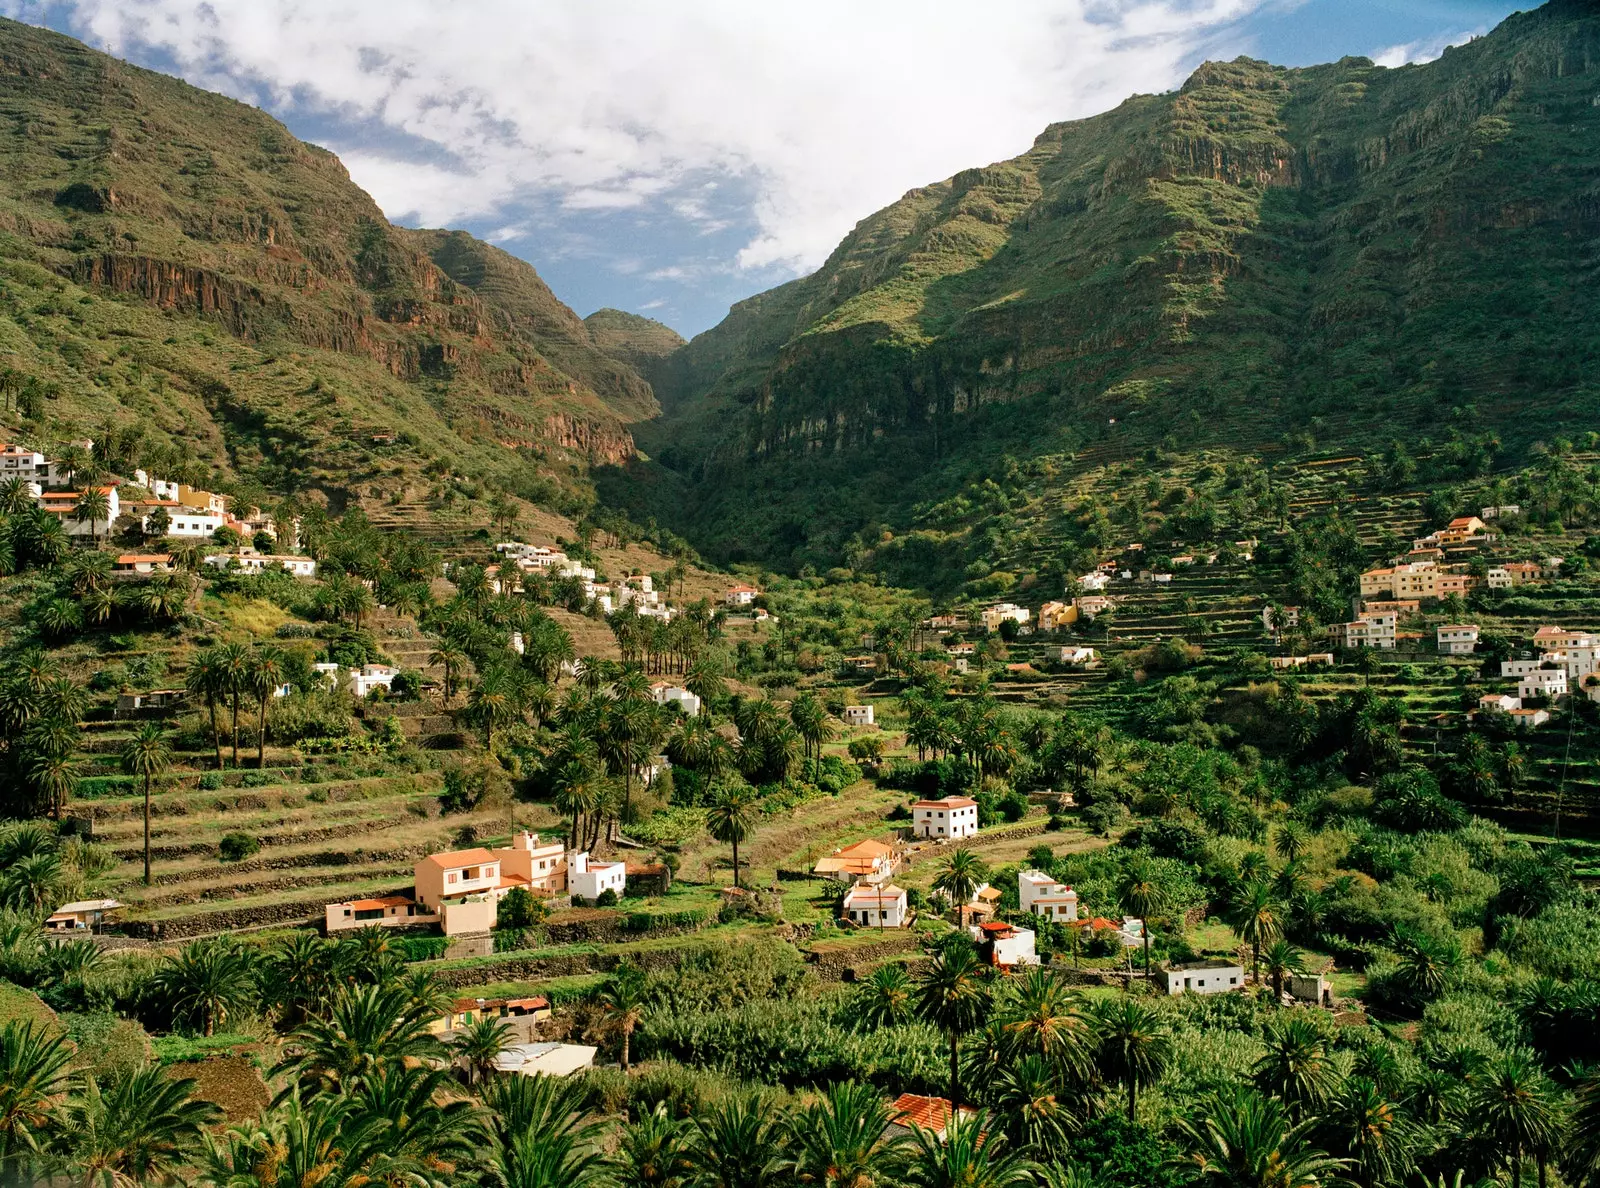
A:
(128, 185)
(1347, 246)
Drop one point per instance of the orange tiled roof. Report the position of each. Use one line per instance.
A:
(930, 1113)
(454, 858)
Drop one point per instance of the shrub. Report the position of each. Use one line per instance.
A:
(237, 846)
(606, 898)
(420, 948)
(210, 781)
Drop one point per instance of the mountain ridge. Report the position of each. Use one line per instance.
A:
(1263, 248)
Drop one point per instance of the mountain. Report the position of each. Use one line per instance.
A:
(1343, 249)
(640, 342)
(176, 259)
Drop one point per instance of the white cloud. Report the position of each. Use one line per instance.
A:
(822, 112)
(1425, 50)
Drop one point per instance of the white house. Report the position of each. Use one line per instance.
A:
(1093, 604)
(1499, 578)
(740, 595)
(1498, 703)
(1041, 895)
(253, 562)
(1527, 718)
(1201, 977)
(1079, 657)
(368, 677)
(1092, 583)
(590, 880)
(64, 506)
(1456, 639)
(666, 693)
(545, 1059)
(883, 906)
(857, 715)
(953, 816)
(195, 522)
(1001, 612)
(1369, 631)
(1005, 944)
(1543, 682)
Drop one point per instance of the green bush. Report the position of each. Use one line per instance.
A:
(210, 781)
(237, 846)
(606, 898)
(420, 948)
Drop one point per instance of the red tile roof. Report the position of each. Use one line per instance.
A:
(455, 858)
(930, 1113)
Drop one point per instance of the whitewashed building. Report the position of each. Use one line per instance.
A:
(1042, 895)
(953, 816)
(882, 906)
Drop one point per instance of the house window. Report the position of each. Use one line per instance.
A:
(451, 877)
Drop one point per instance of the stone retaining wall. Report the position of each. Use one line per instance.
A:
(842, 965)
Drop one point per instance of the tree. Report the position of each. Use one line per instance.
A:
(884, 999)
(33, 1072)
(132, 1127)
(622, 1000)
(205, 679)
(233, 671)
(951, 996)
(1141, 896)
(1372, 1133)
(968, 1155)
(1283, 961)
(93, 507)
(1134, 1046)
(480, 1044)
(960, 875)
(265, 678)
(453, 660)
(653, 1152)
(205, 983)
(1254, 917)
(1296, 1066)
(542, 1136)
(1513, 1106)
(732, 818)
(146, 755)
(1247, 1141)
(738, 1143)
(841, 1140)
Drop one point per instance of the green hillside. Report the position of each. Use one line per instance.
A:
(1363, 248)
(177, 260)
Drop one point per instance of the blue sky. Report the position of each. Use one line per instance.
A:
(673, 158)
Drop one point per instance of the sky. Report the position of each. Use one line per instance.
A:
(672, 158)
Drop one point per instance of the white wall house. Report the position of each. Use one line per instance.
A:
(740, 595)
(669, 694)
(1002, 612)
(1201, 978)
(1454, 639)
(590, 879)
(1079, 657)
(954, 816)
(857, 715)
(1543, 682)
(368, 677)
(876, 907)
(64, 506)
(252, 562)
(1041, 895)
(1498, 703)
(1005, 944)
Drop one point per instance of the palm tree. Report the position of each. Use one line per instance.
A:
(424, 1123)
(1247, 1141)
(15, 498)
(732, 818)
(453, 660)
(968, 1155)
(622, 1001)
(951, 996)
(738, 1143)
(1027, 1093)
(1255, 919)
(578, 793)
(233, 672)
(480, 1044)
(1297, 1066)
(842, 1140)
(33, 1072)
(146, 755)
(1513, 1106)
(366, 1028)
(959, 877)
(1134, 1046)
(534, 1160)
(1283, 961)
(93, 507)
(265, 678)
(490, 706)
(1048, 1019)
(884, 999)
(1142, 897)
(1372, 1133)
(705, 680)
(205, 983)
(205, 679)
(653, 1152)
(810, 720)
(133, 1126)
(1292, 841)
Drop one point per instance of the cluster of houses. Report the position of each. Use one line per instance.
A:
(189, 511)
(521, 559)
(460, 891)
(1562, 661)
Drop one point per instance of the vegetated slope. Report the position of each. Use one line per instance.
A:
(1266, 246)
(638, 341)
(178, 257)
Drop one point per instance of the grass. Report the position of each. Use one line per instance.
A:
(24, 1006)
